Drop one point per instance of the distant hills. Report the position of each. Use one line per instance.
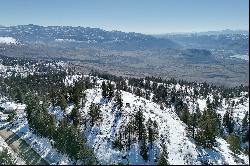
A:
(225, 31)
(86, 37)
(236, 40)
(219, 59)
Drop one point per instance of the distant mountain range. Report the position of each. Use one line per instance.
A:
(236, 40)
(220, 59)
(226, 31)
(85, 36)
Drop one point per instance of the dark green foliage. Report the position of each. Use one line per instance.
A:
(163, 158)
(207, 128)
(18, 95)
(185, 115)
(143, 146)
(70, 141)
(139, 126)
(246, 136)
(117, 144)
(234, 142)
(94, 113)
(245, 128)
(228, 122)
(104, 90)
(62, 102)
(118, 100)
(11, 116)
(152, 128)
(5, 158)
(245, 122)
(43, 123)
(76, 116)
(128, 133)
(67, 138)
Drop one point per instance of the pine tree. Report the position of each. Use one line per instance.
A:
(94, 113)
(129, 130)
(245, 128)
(185, 115)
(139, 119)
(245, 122)
(51, 126)
(228, 122)
(75, 116)
(76, 94)
(163, 159)
(118, 99)
(62, 102)
(19, 96)
(143, 147)
(234, 142)
(207, 128)
(152, 131)
(104, 90)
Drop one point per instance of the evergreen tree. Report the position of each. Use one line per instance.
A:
(11, 116)
(245, 122)
(207, 128)
(104, 90)
(75, 116)
(245, 128)
(163, 159)
(139, 119)
(19, 96)
(228, 122)
(129, 131)
(152, 131)
(94, 113)
(118, 99)
(185, 115)
(143, 147)
(76, 94)
(234, 142)
(62, 102)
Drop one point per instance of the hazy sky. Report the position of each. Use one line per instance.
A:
(145, 16)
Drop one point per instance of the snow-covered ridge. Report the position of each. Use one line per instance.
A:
(8, 40)
(181, 148)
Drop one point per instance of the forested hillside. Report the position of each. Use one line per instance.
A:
(97, 118)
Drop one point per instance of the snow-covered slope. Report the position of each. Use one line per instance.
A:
(8, 40)
(173, 133)
(181, 148)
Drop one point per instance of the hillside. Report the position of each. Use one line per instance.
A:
(75, 118)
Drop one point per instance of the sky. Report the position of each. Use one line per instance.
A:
(144, 16)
